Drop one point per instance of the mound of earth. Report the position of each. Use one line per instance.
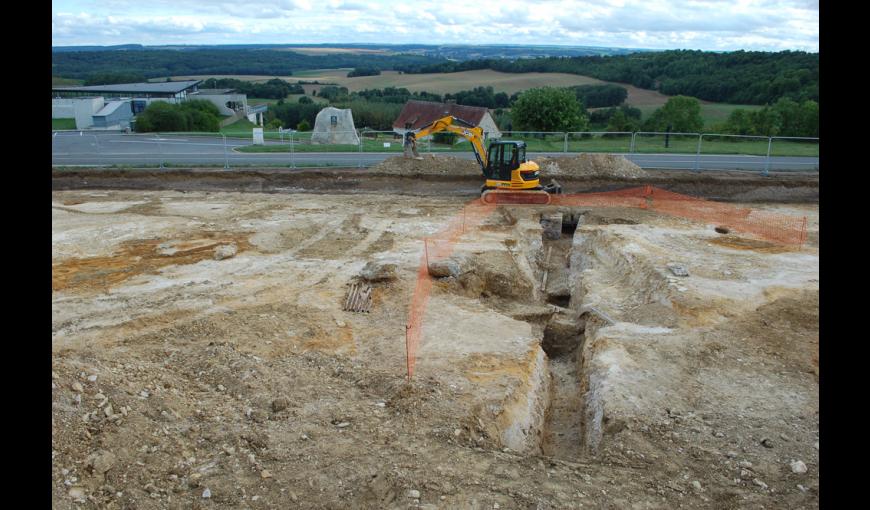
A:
(590, 165)
(429, 165)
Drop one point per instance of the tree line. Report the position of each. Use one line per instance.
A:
(743, 77)
(157, 63)
(272, 89)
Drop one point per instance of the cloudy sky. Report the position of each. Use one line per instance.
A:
(657, 24)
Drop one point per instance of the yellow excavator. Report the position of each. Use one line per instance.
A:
(510, 179)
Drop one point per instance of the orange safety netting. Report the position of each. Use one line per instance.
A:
(770, 226)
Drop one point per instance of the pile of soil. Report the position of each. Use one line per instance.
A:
(431, 164)
(591, 165)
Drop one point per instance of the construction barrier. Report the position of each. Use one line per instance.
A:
(769, 226)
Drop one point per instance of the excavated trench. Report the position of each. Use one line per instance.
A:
(533, 281)
(562, 338)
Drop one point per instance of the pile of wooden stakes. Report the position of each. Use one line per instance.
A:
(358, 298)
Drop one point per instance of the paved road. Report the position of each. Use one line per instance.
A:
(109, 148)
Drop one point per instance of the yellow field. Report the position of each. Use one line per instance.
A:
(442, 83)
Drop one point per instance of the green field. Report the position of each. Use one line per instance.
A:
(57, 81)
(292, 98)
(63, 124)
(711, 113)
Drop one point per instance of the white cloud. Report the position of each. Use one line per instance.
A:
(660, 24)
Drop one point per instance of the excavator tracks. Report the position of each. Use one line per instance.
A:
(495, 197)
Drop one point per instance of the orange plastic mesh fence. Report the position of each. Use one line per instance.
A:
(766, 225)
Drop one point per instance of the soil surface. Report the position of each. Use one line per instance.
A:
(591, 165)
(201, 358)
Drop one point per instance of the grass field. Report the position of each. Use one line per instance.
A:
(292, 98)
(711, 113)
(63, 123)
(442, 83)
(57, 81)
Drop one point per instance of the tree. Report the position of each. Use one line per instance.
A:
(305, 100)
(739, 123)
(681, 113)
(161, 116)
(620, 122)
(196, 115)
(303, 126)
(548, 109)
(273, 124)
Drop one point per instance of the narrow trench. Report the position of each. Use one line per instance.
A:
(562, 338)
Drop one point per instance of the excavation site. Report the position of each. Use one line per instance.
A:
(638, 342)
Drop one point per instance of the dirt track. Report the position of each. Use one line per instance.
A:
(729, 186)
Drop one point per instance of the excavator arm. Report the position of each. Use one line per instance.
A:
(451, 124)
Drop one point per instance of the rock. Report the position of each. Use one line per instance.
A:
(696, 485)
(745, 474)
(279, 404)
(92, 378)
(225, 251)
(802, 488)
(798, 467)
(343, 425)
(745, 464)
(378, 272)
(257, 416)
(77, 387)
(144, 394)
(100, 461)
(767, 443)
(552, 226)
(731, 454)
(678, 269)
(77, 493)
(206, 493)
(444, 268)
(759, 483)
(264, 474)
(413, 493)
(816, 445)
(784, 437)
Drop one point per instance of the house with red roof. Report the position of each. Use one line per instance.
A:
(418, 114)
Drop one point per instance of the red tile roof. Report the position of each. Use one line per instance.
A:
(421, 113)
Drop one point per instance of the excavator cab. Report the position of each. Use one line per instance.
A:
(504, 158)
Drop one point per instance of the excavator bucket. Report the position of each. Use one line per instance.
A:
(535, 197)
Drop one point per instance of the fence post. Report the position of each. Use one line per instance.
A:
(631, 147)
(292, 160)
(767, 161)
(698, 154)
(359, 159)
(226, 155)
(160, 149)
(566, 144)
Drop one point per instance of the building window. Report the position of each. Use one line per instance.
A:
(333, 120)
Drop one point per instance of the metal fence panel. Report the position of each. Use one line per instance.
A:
(664, 143)
(294, 149)
(602, 141)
